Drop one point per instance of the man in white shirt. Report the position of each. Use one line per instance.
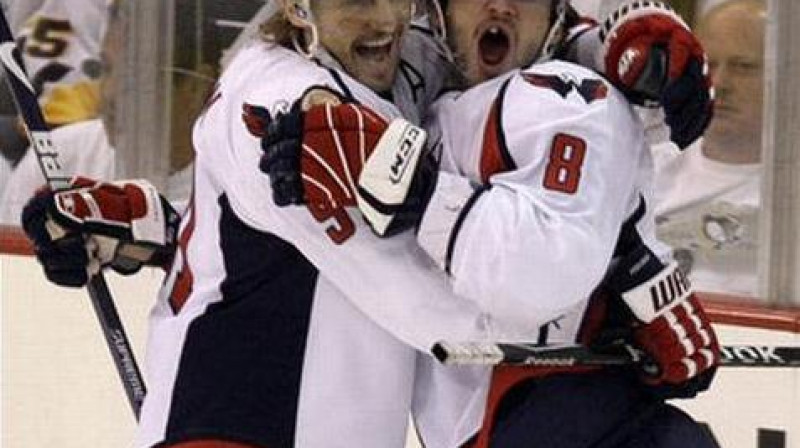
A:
(709, 196)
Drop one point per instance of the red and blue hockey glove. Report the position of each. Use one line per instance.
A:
(92, 225)
(650, 54)
(670, 325)
(332, 154)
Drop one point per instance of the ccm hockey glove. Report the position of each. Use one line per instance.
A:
(333, 154)
(669, 323)
(650, 54)
(92, 225)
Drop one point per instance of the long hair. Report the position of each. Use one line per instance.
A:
(279, 31)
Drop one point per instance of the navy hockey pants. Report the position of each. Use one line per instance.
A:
(601, 409)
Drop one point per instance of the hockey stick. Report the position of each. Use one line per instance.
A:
(576, 355)
(48, 156)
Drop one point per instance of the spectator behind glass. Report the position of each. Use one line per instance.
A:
(84, 147)
(708, 197)
(60, 46)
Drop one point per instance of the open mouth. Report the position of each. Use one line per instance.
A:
(377, 48)
(494, 45)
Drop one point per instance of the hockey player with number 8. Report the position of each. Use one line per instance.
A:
(543, 219)
(269, 316)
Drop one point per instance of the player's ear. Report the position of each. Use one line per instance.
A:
(297, 13)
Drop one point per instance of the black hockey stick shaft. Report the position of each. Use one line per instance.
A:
(536, 355)
(47, 154)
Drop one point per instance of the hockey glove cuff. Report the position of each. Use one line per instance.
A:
(397, 179)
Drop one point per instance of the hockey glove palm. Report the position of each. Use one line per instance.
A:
(337, 155)
(653, 57)
(670, 324)
(79, 230)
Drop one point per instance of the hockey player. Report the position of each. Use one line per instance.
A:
(268, 331)
(526, 218)
(259, 337)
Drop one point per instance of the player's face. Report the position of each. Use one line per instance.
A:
(491, 37)
(734, 40)
(364, 36)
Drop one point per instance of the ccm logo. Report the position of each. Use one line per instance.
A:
(405, 153)
(669, 288)
(626, 61)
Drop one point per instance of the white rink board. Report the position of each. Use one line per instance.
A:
(742, 400)
(60, 388)
(59, 385)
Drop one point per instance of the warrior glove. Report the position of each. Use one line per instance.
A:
(649, 53)
(92, 225)
(669, 323)
(335, 154)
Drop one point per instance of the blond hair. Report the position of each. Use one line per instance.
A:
(278, 30)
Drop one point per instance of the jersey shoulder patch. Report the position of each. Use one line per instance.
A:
(566, 80)
(588, 89)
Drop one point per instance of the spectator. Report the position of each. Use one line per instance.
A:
(709, 196)
(83, 144)
(87, 146)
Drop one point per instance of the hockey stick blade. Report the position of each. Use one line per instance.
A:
(575, 355)
(48, 156)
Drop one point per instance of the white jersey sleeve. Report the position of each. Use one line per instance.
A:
(554, 167)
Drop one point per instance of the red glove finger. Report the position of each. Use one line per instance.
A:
(632, 32)
(681, 342)
(82, 182)
(337, 141)
(689, 367)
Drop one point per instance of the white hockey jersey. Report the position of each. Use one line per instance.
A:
(562, 164)
(351, 315)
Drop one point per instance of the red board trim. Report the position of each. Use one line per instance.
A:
(722, 309)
